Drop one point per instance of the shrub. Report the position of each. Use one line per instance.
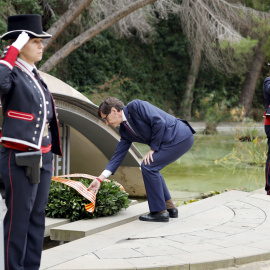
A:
(66, 202)
(212, 112)
(247, 135)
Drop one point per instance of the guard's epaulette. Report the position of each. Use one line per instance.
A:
(4, 52)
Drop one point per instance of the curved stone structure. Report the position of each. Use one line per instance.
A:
(92, 142)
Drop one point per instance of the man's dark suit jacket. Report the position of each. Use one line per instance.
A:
(153, 127)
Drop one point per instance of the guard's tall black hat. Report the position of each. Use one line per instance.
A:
(30, 23)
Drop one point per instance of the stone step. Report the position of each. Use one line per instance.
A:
(54, 222)
(49, 222)
(82, 228)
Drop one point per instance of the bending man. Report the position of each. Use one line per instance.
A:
(168, 137)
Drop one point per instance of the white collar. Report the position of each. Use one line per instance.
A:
(123, 116)
(26, 65)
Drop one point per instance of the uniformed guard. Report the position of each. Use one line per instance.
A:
(30, 136)
(266, 95)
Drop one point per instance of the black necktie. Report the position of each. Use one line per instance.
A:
(38, 79)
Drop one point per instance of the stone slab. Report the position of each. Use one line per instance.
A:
(82, 228)
(118, 253)
(209, 234)
(262, 265)
(70, 251)
(239, 239)
(65, 253)
(219, 232)
(53, 222)
(206, 260)
(91, 262)
(49, 222)
(245, 254)
(263, 243)
(159, 262)
(260, 191)
(130, 231)
(201, 206)
(188, 224)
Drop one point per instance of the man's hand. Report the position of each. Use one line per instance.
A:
(21, 40)
(95, 185)
(148, 156)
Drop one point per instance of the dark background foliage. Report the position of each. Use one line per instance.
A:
(129, 69)
(156, 72)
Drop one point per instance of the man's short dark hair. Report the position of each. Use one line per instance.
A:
(107, 104)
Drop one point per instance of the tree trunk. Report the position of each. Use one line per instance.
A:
(186, 103)
(65, 20)
(252, 77)
(92, 32)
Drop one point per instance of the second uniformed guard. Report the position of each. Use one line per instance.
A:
(30, 136)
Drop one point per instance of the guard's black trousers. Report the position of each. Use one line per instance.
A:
(267, 167)
(24, 222)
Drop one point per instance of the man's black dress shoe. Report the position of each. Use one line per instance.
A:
(155, 217)
(173, 212)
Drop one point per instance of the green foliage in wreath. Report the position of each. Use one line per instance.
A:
(66, 202)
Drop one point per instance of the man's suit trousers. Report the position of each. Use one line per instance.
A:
(24, 223)
(156, 189)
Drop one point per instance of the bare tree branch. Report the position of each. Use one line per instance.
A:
(203, 21)
(140, 22)
(214, 30)
(213, 22)
(90, 33)
(65, 20)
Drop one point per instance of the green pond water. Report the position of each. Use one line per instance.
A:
(197, 172)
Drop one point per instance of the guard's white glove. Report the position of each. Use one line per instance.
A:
(21, 40)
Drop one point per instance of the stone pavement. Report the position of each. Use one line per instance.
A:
(223, 231)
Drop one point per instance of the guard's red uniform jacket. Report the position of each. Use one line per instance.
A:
(24, 106)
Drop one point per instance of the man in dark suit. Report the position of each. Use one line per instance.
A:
(168, 138)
